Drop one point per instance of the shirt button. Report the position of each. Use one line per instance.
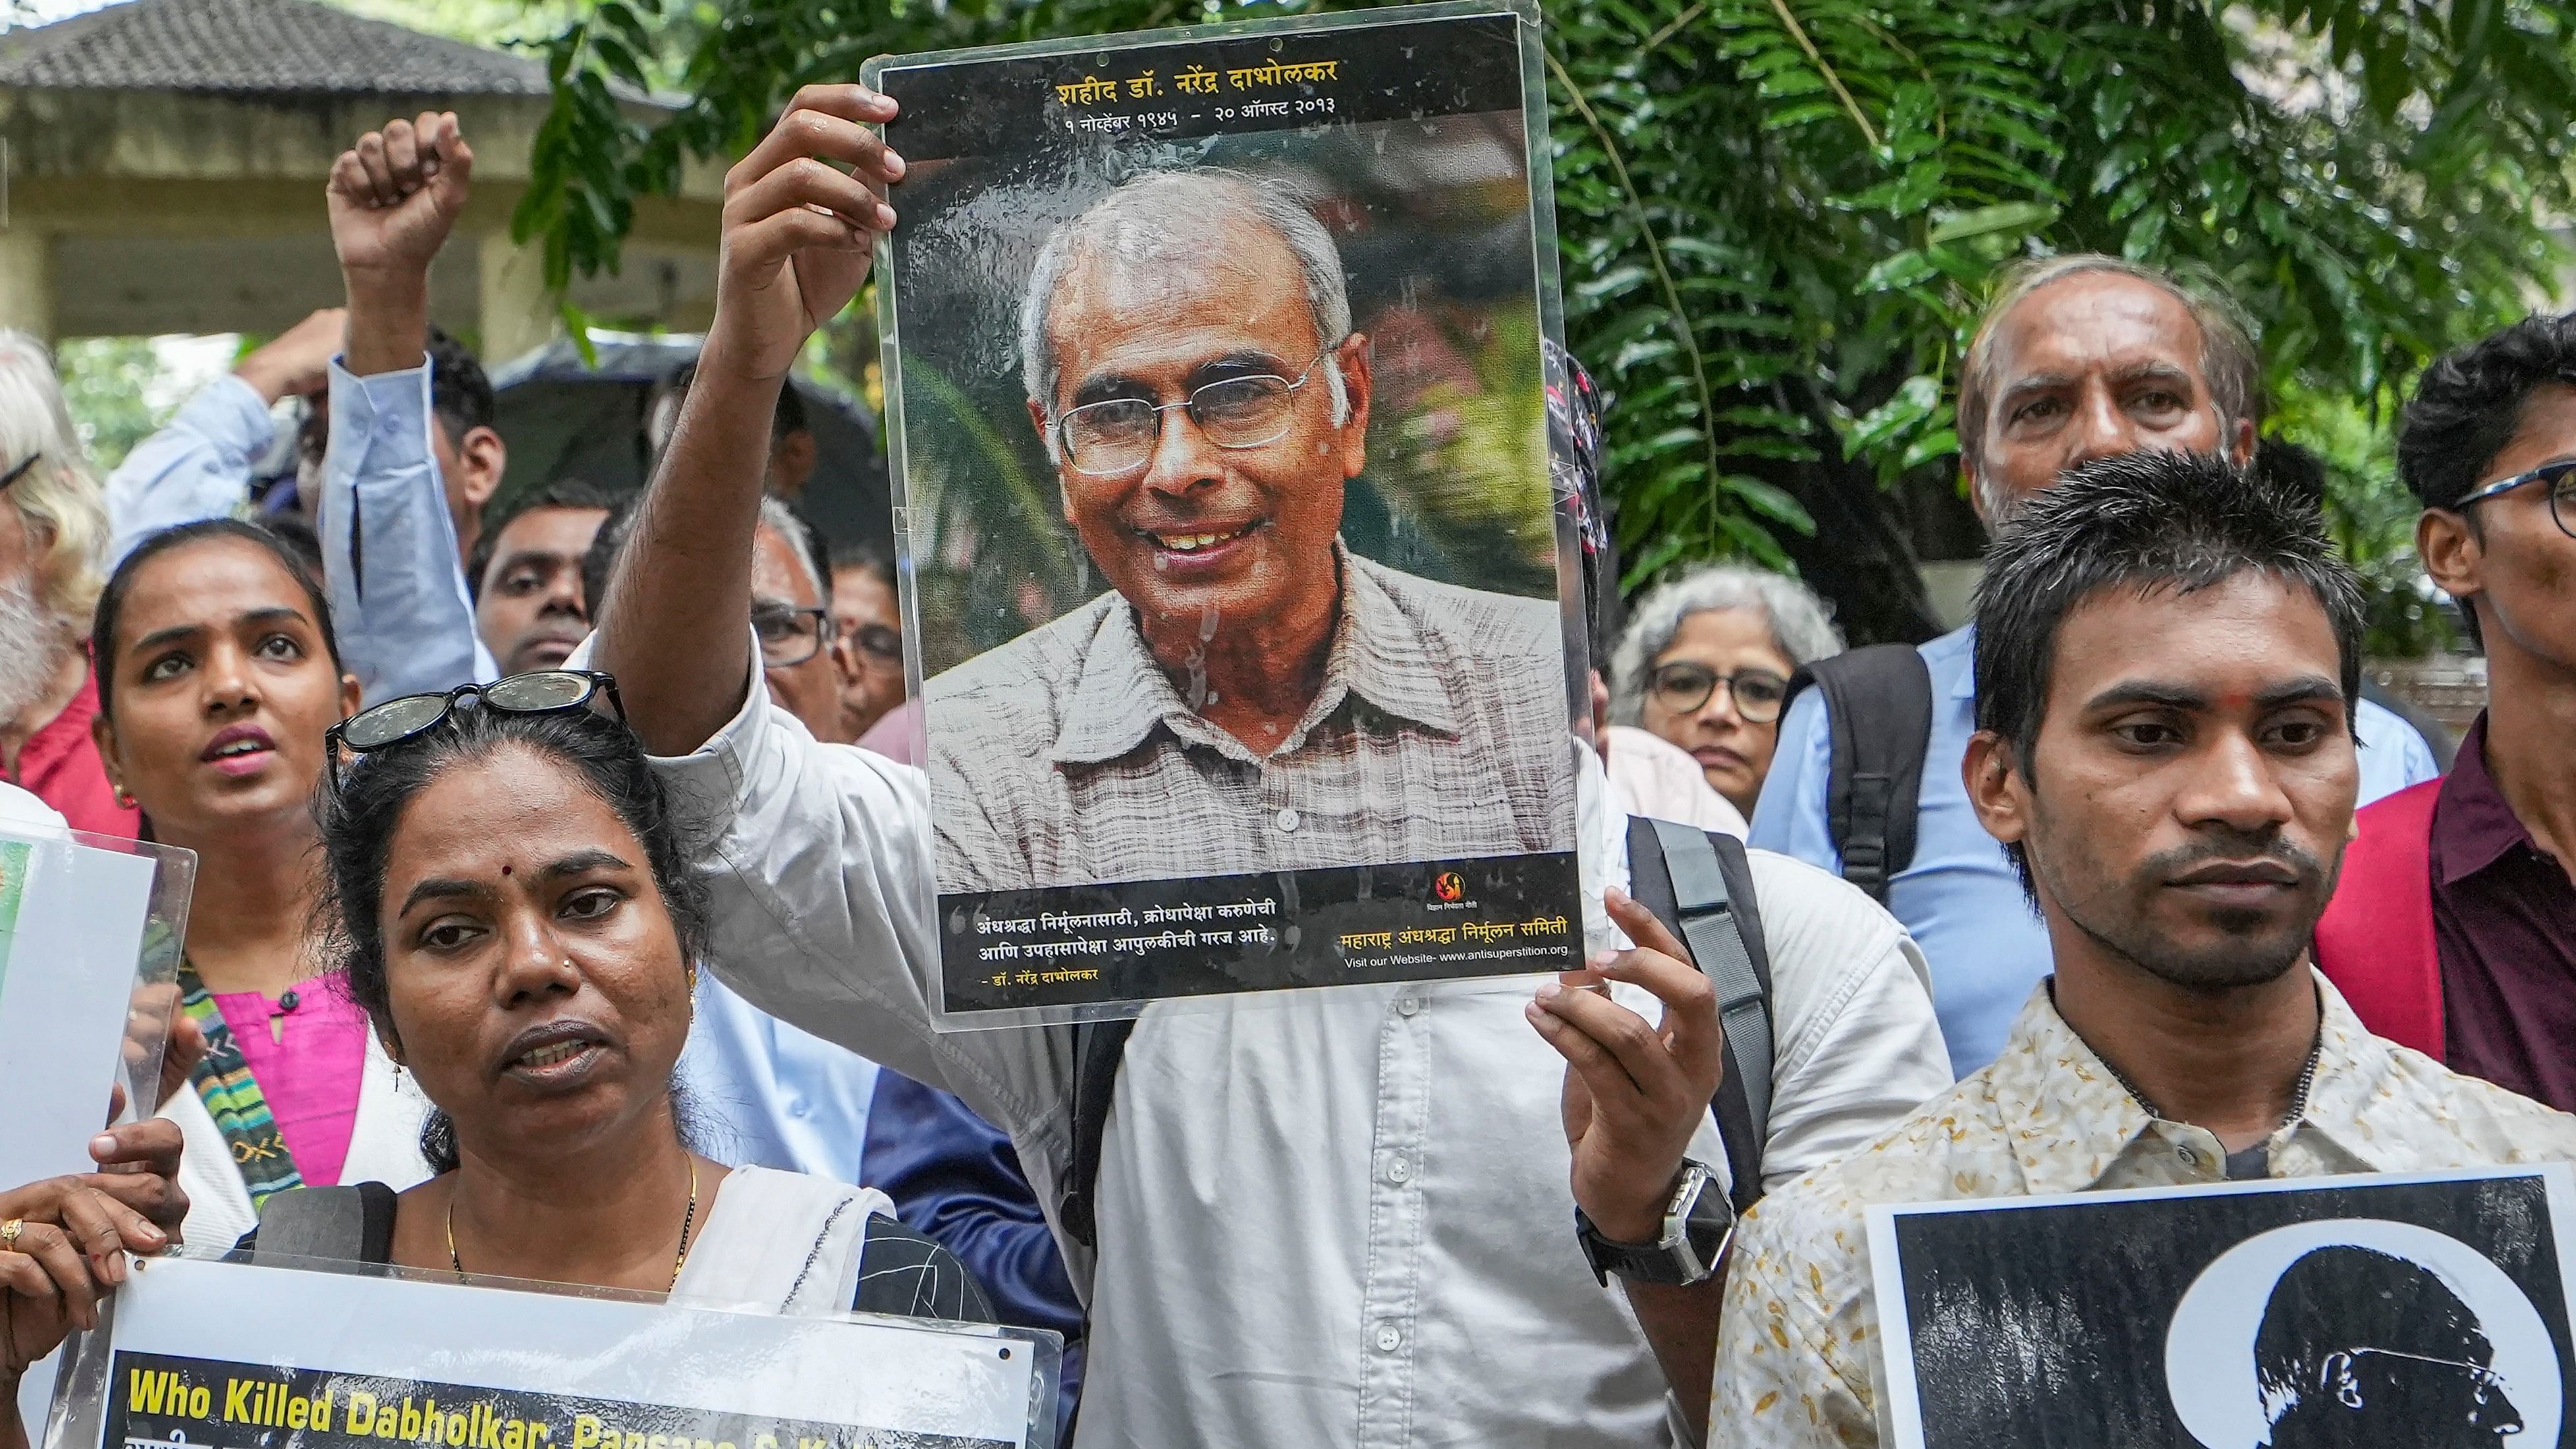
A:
(2189, 1157)
(1287, 820)
(1398, 1170)
(1408, 1006)
(1389, 1338)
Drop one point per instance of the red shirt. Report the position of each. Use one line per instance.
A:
(2504, 926)
(60, 764)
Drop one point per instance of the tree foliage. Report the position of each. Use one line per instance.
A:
(1779, 216)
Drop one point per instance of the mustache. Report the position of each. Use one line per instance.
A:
(2220, 844)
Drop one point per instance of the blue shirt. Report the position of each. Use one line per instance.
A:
(1961, 899)
(389, 554)
(196, 467)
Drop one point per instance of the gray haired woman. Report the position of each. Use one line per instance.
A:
(1705, 665)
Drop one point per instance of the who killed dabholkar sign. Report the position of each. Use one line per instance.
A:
(199, 1354)
(1246, 615)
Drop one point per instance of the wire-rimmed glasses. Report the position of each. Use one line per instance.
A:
(1118, 435)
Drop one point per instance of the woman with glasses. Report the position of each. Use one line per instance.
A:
(513, 912)
(217, 675)
(1705, 666)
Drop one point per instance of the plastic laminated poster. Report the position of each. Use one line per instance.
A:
(2429, 1311)
(90, 931)
(1243, 621)
(200, 1353)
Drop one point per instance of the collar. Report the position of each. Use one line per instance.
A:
(1957, 651)
(2473, 827)
(1376, 652)
(2047, 1073)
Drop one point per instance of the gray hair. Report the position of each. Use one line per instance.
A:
(782, 520)
(1802, 625)
(2229, 364)
(1145, 217)
(59, 497)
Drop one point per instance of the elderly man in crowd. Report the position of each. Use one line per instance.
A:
(1331, 1219)
(53, 532)
(2167, 652)
(2078, 358)
(1189, 358)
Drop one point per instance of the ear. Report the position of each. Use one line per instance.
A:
(1352, 357)
(351, 695)
(2453, 556)
(2240, 447)
(1996, 789)
(103, 735)
(485, 458)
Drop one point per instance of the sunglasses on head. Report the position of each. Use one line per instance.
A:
(19, 470)
(539, 691)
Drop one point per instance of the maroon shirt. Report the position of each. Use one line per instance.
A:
(2504, 924)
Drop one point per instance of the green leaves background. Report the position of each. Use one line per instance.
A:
(1779, 216)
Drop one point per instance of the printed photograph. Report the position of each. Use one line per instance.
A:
(1223, 445)
(2347, 1314)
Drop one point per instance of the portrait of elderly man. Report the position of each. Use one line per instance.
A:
(1249, 695)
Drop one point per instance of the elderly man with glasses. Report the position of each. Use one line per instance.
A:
(2454, 929)
(1188, 353)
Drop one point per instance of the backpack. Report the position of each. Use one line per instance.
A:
(1697, 883)
(1880, 701)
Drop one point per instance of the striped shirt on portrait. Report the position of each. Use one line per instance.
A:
(1442, 732)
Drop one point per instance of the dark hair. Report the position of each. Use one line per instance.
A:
(560, 493)
(2469, 403)
(459, 392)
(359, 820)
(864, 555)
(299, 538)
(111, 600)
(2147, 522)
(600, 560)
(2342, 1297)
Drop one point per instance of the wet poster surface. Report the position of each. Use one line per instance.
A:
(1236, 606)
(2430, 1312)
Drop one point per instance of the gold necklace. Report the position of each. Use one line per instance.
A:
(687, 1223)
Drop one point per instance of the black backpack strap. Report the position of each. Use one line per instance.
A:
(1701, 885)
(1098, 1048)
(1879, 700)
(352, 1224)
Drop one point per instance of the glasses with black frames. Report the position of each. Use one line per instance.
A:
(2558, 476)
(789, 635)
(1118, 435)
(1684, 688)
(539, 691)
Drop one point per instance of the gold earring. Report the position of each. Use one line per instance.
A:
(124, 798)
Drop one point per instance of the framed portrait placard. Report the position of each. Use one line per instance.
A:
(2428, 1311)
(198, 1353)
(1244, 636)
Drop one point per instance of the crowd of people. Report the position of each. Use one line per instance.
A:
(477, 792)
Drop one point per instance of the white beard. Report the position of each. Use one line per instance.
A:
(30, 637)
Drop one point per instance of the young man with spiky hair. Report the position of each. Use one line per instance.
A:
(2167, 656)
(2455, 928)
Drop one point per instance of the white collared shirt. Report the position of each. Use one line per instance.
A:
(1327, 1218)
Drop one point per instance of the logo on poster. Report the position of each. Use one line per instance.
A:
(1449, 886)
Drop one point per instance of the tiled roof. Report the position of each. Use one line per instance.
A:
(254, 47)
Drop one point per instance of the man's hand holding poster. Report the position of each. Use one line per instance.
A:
(1214, 395)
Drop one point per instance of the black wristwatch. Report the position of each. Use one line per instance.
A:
(1698, 1220)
